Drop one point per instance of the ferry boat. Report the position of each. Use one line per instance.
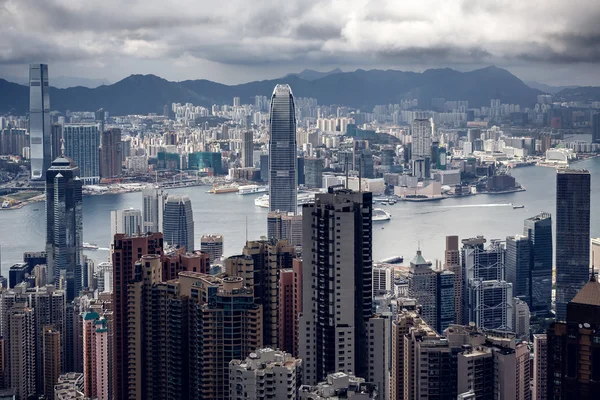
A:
(252, 189)
(303, 198)
(90, 246)
(379, 214)
(224, 189)
(515, 206)
(6, 204)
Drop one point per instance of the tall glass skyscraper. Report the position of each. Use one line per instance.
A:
(40, 124)
(82, 144)
(572, 236)
(282, 151)
(64, 225)
(178, 222)
(539, 231)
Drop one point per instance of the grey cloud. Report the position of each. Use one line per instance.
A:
(315, 32)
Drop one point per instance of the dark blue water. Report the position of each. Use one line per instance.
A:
(412, 224)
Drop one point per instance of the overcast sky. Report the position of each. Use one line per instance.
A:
(234, 41)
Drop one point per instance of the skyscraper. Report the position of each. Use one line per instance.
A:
(282, 151)
(539, 231)
(178, 222)
(596, 128)
(285, 226)
(213, 245)
(313, 172)
(247, 149)
(573, 361)
(127, 250)
(82, 143)
(23, 351)
(518, 265)
(337, 284)
(422, 136)
(111, 154)
(128, 222)
(64, 225)
(572, 236)
(40, 123)
(154, 206)
(452, 264)
(51, 362)
(540, 367)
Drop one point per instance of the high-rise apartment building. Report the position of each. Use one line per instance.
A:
(289, 306)
(422, 136)
(259, 266)
(265, 371)
(574, 348)
(178, 222)
(153, 208)
(539, 231)
(337, 284)
(82, 143)
(51, 361)
(339, 385)
(248, 149)
(23, 358)
(64, 225)
(127, 250)
(282, 151)
(540, 367)
(97, 361)
(285, 226)
(127, 221)
(572, 236)
(452, 264)
(40, 123)
(111, 153)
(213, 245)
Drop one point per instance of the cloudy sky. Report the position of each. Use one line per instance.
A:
(233, 41)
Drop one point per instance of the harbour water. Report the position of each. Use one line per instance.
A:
(413, 225)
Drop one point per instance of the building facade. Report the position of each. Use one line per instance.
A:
(178, 222)
(82, 144)
(111, 153)
(282, 151)
(213, 245)
(539, 231)
(153, 208)
(40, 123)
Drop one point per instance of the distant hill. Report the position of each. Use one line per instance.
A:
(547, 88)
(582, 93)
(311, 75)
(142, 94)
(63, 82)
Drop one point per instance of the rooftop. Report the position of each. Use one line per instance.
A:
(589, 294)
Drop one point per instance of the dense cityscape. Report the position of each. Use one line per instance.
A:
(303, 311)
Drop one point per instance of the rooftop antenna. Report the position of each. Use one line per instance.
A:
(62, 146)
(359, 174)
(593, 276)
(346, 168)
(246, 229)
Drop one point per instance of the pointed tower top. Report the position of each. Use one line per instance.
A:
(62, 147)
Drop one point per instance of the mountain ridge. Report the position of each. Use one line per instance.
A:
(142, 94)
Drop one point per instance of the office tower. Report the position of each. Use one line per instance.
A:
(56, 138)
(154, 205)
(178, 222)
(282, 151)
(285, 226)
(452, 264)
(128, 222)
(539, 231)
(423, 363)
(247, 149)
(337, 284)
(313, 172)
(264, 168)
(51, 362)
(574, 349)
(487, 300)
(96, 356)
(127, 250)
(518, 265)
(22, 351)
(382, 279)
(434, 292)
(259, 266)
(572, 235)
(18, 273)
(339, 385)
(596, 128)
(64, 225)
(111, 159)
(300, 178)
(40, 123)
(213, 245)
(422, 136)
(522, 319)
(82, 143)
(265, 371)
(540, 367)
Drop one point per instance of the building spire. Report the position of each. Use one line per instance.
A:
(62, 147)
(593, 275)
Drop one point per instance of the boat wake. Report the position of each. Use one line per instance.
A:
(479, 205)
